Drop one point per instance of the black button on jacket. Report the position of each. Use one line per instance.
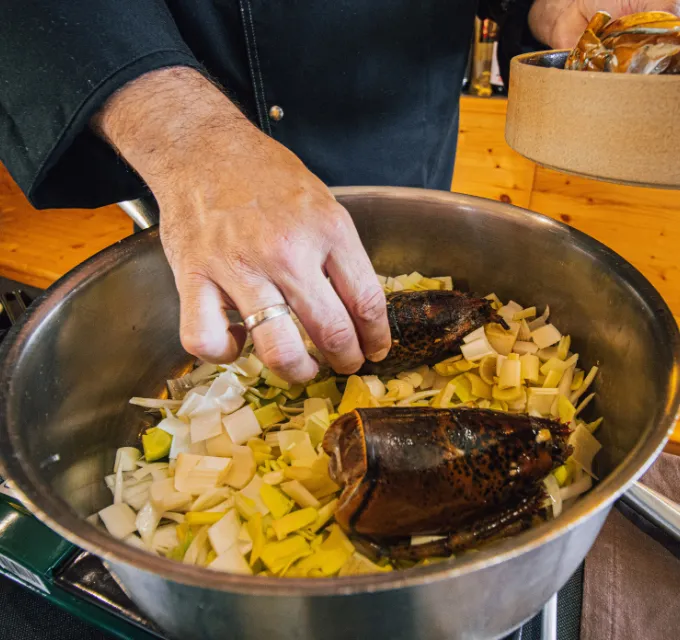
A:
(368, 88)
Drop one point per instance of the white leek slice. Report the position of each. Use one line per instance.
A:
(477, 349)
(428, 376)
(524, 332)
(206, 424)
(546, 336)
(510, 374)
(290, 437)
(181, 442)
(147, 521)
(300, 494)
(93, 519)
(375, 385)
(119, 519)
(231, 561)
(126, 459)
(202, 372)
(252, 491)
(136, 501)
(502, 340)
(523, 347)
(171, 425)
(552, 488)
(508, 311)
(584, 403)
(230, 400)
(163, 495)
(211, 498)
(242, 425)
(155, 403)
(118, 486)
(540, 400)
(584, 387)
(474, 335)
(419, 395)
(220, 445)
(243, 467)
(447, 280)
(196, 474)
(224, 533)
(148, 469)
(249, 367)
(576, 488)
(541, 321)
(223, 383)
(529, 368)
(165, 538)
(418, 540)
(192, 401)
(585, 447)
(173, 515)
(198, 549)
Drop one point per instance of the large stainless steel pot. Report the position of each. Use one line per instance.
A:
(108, 331)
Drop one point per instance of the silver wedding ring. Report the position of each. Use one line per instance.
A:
(256, 319)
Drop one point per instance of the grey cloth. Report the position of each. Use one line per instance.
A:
(632, 574)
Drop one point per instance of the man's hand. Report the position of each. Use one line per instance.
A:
(560, 23)
(245, 225)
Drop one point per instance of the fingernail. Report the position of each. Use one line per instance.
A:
(378, 355)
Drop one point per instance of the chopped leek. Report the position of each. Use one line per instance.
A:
(243, 425)
(325, 389)
(275, 500)
(224, 530)
(119, 519)
(156, 444)
(275, 381)
(546, 336)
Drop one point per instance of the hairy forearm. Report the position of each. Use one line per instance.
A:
(160, 121)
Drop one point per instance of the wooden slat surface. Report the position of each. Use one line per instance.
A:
(38, 247)
(485, 165)
(642, 225)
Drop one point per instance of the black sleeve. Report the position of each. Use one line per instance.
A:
(59, 62)
(515, 37)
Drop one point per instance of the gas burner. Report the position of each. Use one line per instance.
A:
(12, 306)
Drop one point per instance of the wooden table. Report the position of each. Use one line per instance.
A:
(643, 225)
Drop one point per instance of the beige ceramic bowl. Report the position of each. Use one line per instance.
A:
(615, 127)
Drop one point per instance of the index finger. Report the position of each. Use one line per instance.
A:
(356, 282)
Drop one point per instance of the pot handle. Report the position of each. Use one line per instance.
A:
(143, 212)
(664, 513)
(549, 619)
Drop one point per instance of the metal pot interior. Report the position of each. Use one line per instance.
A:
(109, 330)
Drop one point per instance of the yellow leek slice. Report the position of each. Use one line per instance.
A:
(275, 500)
(268, 415)
(294, 521)
(277, 556)
(325, 389)
(202, 517)
(256, 533)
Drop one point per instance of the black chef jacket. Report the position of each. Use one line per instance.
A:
(369, 89)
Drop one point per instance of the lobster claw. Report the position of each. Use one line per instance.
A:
(464, 473)
(429, 326)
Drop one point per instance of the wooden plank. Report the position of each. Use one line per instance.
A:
(485, 165)
(38, 247)
(642, 225)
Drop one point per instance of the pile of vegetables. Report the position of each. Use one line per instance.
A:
(233, 477)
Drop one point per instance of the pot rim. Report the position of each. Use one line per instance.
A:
(53, 511)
